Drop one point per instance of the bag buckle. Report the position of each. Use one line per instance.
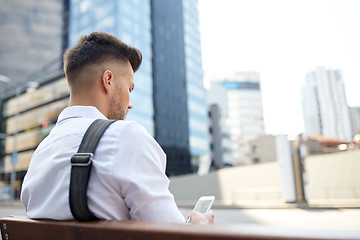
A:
(81, 159)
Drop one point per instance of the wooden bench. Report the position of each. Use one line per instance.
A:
(19, 227)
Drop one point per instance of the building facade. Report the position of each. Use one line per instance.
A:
(196, 94)
(27, 120)
(244, 121)
(324, 105)
(179, 94)
(170, 93)
(30, 39)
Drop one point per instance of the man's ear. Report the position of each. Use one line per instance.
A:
(107, 80)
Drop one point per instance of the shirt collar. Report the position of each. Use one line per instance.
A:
(80, 112)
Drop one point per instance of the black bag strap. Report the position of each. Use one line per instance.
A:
(80, 170)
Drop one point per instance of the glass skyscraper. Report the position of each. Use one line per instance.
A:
(30, 39)
(198, 116)
(179, 95)
(170, 93)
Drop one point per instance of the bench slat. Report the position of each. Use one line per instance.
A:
(19, 227)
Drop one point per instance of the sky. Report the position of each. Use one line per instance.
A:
(283, 40)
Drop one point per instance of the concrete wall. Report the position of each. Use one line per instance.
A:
(333, 179)
(250, 184)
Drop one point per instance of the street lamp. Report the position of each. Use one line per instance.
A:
(30, 86)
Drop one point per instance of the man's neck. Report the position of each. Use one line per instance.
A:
(88, 101)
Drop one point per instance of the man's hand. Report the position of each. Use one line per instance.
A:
(201, 218)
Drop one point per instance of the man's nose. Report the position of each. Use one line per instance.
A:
(130, 106)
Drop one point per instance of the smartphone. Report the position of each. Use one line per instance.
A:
(204, 204)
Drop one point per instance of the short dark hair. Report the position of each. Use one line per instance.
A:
(96, 48)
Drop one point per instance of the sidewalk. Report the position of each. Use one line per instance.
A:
(8, 208)
(277, 205)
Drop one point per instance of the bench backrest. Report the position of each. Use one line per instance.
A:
(18, 227)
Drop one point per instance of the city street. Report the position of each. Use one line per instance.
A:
(346, 219)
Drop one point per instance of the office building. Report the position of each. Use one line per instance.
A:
(31, 39)
(244, 120)
(170, 93)
(324, 105)
(179, 94)
(28, 119)
(196, 94)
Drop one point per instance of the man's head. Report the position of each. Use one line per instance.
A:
(99, 70)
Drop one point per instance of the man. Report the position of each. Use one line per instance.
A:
(128, 180)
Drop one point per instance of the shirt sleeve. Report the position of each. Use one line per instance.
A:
(144, 185)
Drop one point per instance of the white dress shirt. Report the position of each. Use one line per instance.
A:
(127, 181)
